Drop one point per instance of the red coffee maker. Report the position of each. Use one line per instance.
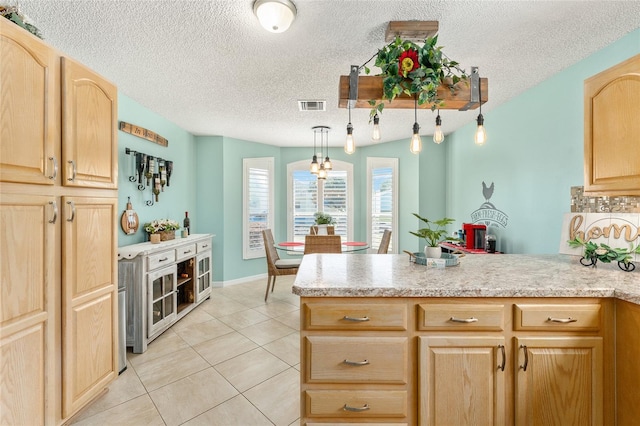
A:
(474, 235)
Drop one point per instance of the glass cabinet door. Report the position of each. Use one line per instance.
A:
(204, 275)
(162, 299)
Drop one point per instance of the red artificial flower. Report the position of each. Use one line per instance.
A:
(408, 62)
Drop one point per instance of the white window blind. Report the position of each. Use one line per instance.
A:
(382, 190)
(308, 195)
(258, 202)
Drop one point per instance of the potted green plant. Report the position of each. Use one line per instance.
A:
(322, 221)
(433, 234)
(165, 229)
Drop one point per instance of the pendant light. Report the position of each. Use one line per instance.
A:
(438, 135)
(416, 143)
(350, 144)
(325, 164)
(481, 135)
(313, 168)
(375, 135)
(327, 161)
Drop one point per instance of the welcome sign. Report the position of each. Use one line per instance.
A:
(617, 230)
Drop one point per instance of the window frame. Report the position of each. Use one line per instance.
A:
(304, 165)
(375, 163)
(268, 164)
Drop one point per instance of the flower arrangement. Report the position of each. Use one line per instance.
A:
(14, 15)
(160, 225)
(434, 233)
(416, 71)
(602, 252)
(324, 219)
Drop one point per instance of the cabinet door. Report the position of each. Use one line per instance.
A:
(89, 129)
(612, 130)
(28, 282)
(559, 381)
(461, 380)
(89, 299)
(29, 109)
(162, 299)
(204, 276)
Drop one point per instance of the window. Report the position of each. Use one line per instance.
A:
(307, 195)
(382, 200)
(258, 201)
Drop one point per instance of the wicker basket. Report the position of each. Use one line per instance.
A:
(167, 235)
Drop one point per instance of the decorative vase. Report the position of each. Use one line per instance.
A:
(154, 238)
(322, 229)
(433, 252)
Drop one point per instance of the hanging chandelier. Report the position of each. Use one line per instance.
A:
(412, 76)
(320, 162)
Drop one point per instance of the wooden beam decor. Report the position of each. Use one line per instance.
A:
(411, 30)
(143, 133)
(370, 87)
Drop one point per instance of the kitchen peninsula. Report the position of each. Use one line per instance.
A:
(496, 340)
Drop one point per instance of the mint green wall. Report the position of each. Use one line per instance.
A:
(177, 198)
(534, 154)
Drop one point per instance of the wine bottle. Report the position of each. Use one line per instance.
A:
(186, 222)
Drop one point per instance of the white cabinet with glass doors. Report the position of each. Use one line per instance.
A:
(162, 299)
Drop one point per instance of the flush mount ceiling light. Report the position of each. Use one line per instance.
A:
(275, 15)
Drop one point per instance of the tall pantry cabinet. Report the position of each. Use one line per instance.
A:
(58, 236)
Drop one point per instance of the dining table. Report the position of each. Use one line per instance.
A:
(296, 247)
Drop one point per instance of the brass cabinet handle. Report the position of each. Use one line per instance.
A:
(55, 211)
(562, 320)
(365, 407)
(464, 320)
(356, 363)
(55, 168)
(526, 358)
(504, 358)
(73, 211)
(73, 170)
(356, 319)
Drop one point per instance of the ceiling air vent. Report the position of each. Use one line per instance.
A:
(312, 105)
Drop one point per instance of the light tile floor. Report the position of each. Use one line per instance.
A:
(234, 360)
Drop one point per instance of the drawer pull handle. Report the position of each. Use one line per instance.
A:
(55, 212)
(526, 357)
(74, 170)
(55, 168)
(205, 245)
(365, 407)
(356, 319)
(562, 320)
(73, 211)
(464, 320)
(504, 358)
(185, 252)
(357, 363)
(163, 259)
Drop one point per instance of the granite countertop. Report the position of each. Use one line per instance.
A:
(133, 250)
(499, 275)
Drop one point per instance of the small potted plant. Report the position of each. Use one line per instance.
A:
(161, 230)
(322, 221)
(433, 234)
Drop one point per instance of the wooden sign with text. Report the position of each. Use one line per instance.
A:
(143, 133)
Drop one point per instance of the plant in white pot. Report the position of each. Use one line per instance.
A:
(322, 220)
(433, 234)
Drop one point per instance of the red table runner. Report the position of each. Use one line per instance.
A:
(290, 244)
(354, 243)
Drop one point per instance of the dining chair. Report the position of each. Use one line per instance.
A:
(275, 265)
(384, 242)
(313, 230)
(322, 244)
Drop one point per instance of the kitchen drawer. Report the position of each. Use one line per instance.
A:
(356, 359)
(365, 404)
(204, 246)
(561, 317)
(364, 316)
(160, 259)
(184, 252)
(453, 316)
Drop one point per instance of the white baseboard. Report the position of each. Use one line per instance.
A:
(220, 284)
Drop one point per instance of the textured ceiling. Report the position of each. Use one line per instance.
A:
(209, 67)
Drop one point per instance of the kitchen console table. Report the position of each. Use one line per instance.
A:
(163, 283)
(510, 339)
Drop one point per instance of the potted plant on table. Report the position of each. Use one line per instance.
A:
(322, 221)
(433, 234)
(161, 230)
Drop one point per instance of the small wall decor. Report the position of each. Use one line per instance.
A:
(143, 133)
(129, 220)
(149, 172)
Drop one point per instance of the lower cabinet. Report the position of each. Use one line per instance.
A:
(163, 283)
(450, 362)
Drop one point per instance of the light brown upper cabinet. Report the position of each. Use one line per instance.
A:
(612, 130)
